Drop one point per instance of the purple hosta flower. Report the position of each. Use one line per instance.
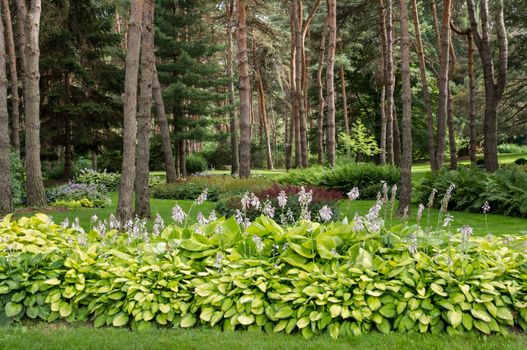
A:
(94, 219)
(114, 223)
(258, 242)
(255, 201)
(202, 197)
(374, 225)
(374, 211)
(246, 223)
(268, 210)
(178, 215)
(358, 223)
(218, 261)
(305, 215)
(201, 219)
(420, 213)
(446, 198)
(65, 223)
(394, 193)
(218, 230)
(353, 194)
(239, 217)
(289, 215)
(412, 246)
(431, 198)
(82, 239)
(212, 216)
(325, 213)
(76, 226)
(282, 199)
(384, 191)
(245, 201)
(405, 213)
(486, 207)
(466, 231)
(100, 228)
(379, 196)
(159, 225)
(448, 220)
(304, 198)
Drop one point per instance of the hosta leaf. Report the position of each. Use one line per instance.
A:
(334, 330)
(455, 318)
(65, 309)
(284, 312)
(505, 314)
(12, 309)
(303, 322)
(482, 315)
(438, 289)
(119, 320)
(335, 310)
(246, 319)
(188, 321)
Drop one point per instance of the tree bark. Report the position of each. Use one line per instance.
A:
(68, 150)
(472, 100)
(35, 186)
(424, 83)
(15, 99)
(21, 18)
(444, 58)
(330, 84)
(295, 120)
(321, 101)
(397, 152)
(124, 208)
(299, 91)
(344, 93)
(450, 119)
(6, 197)
(235, 162)
(245, 98)
(144, 115)
(390, 83)
(493, 89)
(166, 143)
(405, 196)
(382, 144)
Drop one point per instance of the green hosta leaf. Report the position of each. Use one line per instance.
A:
(374, 303)
(284, 312)
(388, 310)
(246, 319)
(303, 322)
(455, 318)
(188, 321)
(12, 309)
(206, 314)
(482, 315)
(52, 282)
(335, 310)
(505, 314)
(384, 326)
(334, 330)
(164, 308)
(120, 320)
(467, 321)
(65, 309)
(438, 289)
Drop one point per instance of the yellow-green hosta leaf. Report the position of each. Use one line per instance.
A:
(334, 330)
(245, 319)
(467, 321)
(188, 321)
(482, 315)
(455, 317)
(438, 289)
(164, 308)
(505, 314)
(52, 281)
(65, 309)
(120, 320)
(284, 312)
(302, 322)
(335, 310)
(12, 309)
(388, 310)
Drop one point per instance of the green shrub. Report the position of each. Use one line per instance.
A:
(505, 189)
(308, 279)
(74, 204)
(184, 190)
(365, 176)
(196, 164)
(520, 161)
(229, 186)
(511, 148)
(92, 177)
(18, 179)
(91, 195)
(304, 177)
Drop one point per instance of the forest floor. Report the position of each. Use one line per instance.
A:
(42, 336)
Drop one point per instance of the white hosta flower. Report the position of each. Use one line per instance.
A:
(212, 216)
(394, 193)
(255, 201)
(420, 213)
(374, 211)
(239, 217)
(358, 223)
(245, 201)
(412, 247)
(159, 225)
(304, 198)
(178, 215)
(325, 213)
(218, 261)
(486, 207)
(114, 223)
(353, 194)
(282, 199)
(202, 197)
(384, 191)
(258, 242)
(431, 198)
(246, 223)
(448, 220)
(268, 210)
(76, 226)
(201, 219)
(466, 231)
(65, 223)
(94, 219)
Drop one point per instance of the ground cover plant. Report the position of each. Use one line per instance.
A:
(109, 179)
(341, 278)
(74, 195)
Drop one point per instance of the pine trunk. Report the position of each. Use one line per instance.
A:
(321, 101)
(244, 90)
(35, 186)
(450, 119)
(262, 108)
(330, 81)
(397, 152)
(390, 84)
(424, 83)
(15, 99)
(344, 93)
(235, 162)
(21, 18)
(144, 115)
(405, 195)
(124, 208)
(6, 197)
(472, 100)
(442, 114)
(382, 105)
(299, 93)
(166, 143)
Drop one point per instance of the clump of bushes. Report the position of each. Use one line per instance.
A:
(18, 179)
(109, 180)
(511, 148)
(310, 278)
(74, 195)
(184, 190)
(520, 161)
(505, 189)
(366, 176)
(196, 164)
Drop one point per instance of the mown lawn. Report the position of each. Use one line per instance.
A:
(83, 337)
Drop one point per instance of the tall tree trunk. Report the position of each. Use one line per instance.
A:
(344, 93)
(68, 150)
(397, 152)
(144, 115)
(35, 186)
(321, 101)
(472, 99)
(21, 18)
(166, 143)
(15, 100)
(235, 162)
(382, 29)
(444, 59)
(124, 208)
(450, 119)
(390, 83)
(405, 196)
(424, 82)
(493, 89)
(245, 98)
(299, 91)
(295, 121)
(330, 78)
(6, 197)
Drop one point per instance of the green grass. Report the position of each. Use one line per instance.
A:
(83, 337)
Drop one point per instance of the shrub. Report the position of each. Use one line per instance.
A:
(520, 161)
(366, 176)
(505, 189)
(196, 164)
(18, 179)
(92, 177)
(511, 148)
(321, 197)
(184, 190)
(74, 204)
(94, 193)
(311, 278)
(303, 177)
